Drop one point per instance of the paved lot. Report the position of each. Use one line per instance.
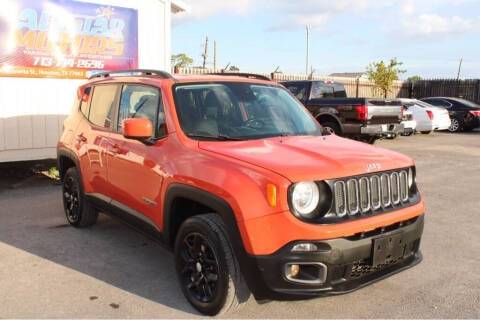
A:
(49, 270)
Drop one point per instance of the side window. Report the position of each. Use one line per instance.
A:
(142, 102)
(85, 101)
(446, 104)
(103, 105)
(320, 90)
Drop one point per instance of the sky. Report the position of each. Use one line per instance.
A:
(428, 36)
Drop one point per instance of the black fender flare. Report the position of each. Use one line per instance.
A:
(248, 263)
(67, 153)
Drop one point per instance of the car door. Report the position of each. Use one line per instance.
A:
(135, 171)
(98, 107)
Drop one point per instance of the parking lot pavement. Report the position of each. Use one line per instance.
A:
(50, 270)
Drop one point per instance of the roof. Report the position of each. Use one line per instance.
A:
(157, 75)
(348, 74)
(179, 6)
(218, 78)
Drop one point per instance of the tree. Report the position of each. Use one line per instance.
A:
(414, 78)
(383, 74)
(234, 69)
(181, 60)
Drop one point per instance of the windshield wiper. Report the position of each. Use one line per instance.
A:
(220, 137)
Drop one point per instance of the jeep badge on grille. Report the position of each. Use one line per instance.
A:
(373, 167)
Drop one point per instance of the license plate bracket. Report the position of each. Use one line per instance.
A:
(387, 249)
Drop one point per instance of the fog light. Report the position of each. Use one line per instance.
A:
(293, 270)
(306, 272)
(304, 247)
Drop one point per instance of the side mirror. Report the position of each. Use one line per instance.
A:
(137, 128)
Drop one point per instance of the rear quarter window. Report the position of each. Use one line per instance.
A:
(102, 107)
(85, 101)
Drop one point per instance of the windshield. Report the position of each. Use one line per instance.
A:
(240, 111)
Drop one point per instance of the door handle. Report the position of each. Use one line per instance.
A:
(81, 138)
(116, 149)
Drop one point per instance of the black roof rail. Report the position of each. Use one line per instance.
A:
(241, 74)
(143, 72)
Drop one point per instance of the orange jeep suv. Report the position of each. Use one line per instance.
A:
(234, 175)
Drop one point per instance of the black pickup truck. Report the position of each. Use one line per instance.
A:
(358, 118)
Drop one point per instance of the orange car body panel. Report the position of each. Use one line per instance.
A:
(237, 172)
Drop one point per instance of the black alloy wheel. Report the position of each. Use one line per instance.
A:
(71, 199)
(206, 266)
(78, 211)
(199, 267)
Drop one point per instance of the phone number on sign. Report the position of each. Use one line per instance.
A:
(68, 63)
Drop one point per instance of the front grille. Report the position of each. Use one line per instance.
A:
(368, 194)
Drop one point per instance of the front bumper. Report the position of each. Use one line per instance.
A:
(349, 262)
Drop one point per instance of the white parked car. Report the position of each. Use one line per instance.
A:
(409, 123)
(428, 117)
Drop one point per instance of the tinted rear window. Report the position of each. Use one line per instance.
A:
(299, 89)
(320, 89)
(467, 103)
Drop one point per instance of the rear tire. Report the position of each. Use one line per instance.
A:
(207, 269)
(331, 127)
(426, 132)
(369, 140)
(78, 211)
(455, 125)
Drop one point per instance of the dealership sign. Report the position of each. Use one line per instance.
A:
(65, 38)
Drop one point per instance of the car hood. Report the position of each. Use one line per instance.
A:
(310, 158)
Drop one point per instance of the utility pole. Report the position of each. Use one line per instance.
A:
(214, 56)
(459, 68)
(307, 28)
(205, 53)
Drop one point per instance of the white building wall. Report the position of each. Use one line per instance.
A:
(32, 110)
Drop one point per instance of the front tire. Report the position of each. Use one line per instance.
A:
(78, 211)
(207, 269)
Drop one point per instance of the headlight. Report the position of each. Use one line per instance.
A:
(305, 197)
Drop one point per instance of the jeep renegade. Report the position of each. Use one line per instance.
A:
(235, 176)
